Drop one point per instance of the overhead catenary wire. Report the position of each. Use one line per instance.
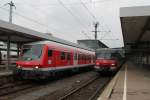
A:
(75, 17)
(94, 17)
(67, 4)
(101, 18)
(32, 20)
(70, 34)
(91, 14)
(109, 31)
(73, 4)
(71, 13)
(39, 23)
(74, 14)
(86, 34)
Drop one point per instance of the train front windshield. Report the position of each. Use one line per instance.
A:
(108, 54)
(31, 52)
(104, 55)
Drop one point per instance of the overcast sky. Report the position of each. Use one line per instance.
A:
(71, 19)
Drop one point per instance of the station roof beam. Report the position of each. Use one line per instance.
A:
(135, 23)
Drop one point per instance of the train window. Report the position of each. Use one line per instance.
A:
(68, 56)
(84, 57)
(49, 53)
(79, 57)
(62, 55)
(33, 52)
(90, 58)
(75, 56)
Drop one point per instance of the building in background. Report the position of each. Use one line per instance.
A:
(93, 44)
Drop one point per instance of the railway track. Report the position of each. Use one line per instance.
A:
(12, 88)
(82, 90)
(88, 91)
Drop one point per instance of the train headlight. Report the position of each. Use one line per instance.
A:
(36, 67)
(19, 66)
(97, 63)
(113, 64)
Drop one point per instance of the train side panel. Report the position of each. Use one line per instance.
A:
(52, 57)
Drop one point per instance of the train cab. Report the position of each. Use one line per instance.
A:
(46, 58)
(107, 60)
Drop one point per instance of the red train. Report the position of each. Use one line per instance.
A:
(108, 60)
(46, 58)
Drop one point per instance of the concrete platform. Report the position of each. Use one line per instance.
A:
(132, 82)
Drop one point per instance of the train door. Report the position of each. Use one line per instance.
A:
(68, 58)
(57, 58)
(75, 58)
(51, 58)
(92, 59)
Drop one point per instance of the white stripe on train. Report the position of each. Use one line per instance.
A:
(58, 67)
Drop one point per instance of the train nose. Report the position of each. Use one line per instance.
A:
(97, 64)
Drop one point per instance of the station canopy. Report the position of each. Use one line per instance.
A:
(18, 34)
(23, 35)
(135, 23)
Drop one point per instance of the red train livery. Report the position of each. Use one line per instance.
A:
(108, 60)
(106, 65)
(45, 58)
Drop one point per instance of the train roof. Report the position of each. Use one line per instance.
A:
(111, 49)
(60, 44)
(24, 35)
(65, 42)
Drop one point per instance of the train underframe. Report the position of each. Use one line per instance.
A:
(44, 74)
(106, 69)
